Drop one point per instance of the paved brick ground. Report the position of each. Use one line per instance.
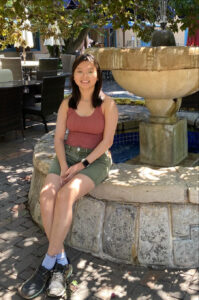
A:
(22, 244)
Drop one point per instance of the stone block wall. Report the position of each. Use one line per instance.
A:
(145, 234)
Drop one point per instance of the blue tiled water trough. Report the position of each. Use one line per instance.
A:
(126, 145)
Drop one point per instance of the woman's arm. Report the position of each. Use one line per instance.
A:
(60, 135)
(111, 119)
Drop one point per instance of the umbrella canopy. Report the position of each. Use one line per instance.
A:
(26, 39)
(52, 41)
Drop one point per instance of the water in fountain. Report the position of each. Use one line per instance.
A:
(163, 37)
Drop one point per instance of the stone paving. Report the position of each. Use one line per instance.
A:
(23, 244)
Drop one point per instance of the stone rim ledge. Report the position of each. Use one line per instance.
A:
(177, 182)
(147, 58)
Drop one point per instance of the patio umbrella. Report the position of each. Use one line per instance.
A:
(25, 40)
(52, 41)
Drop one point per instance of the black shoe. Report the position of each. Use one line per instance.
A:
(57, 285)
(35, 285)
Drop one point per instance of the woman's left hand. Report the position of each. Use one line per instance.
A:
(72, 171)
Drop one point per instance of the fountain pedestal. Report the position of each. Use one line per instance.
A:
(163, 139)
(163, 144)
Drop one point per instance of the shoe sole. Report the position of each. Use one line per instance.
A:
(35, 295)
(31, 297)
(70, 271)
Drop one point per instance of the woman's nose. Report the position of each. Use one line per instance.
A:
(85, 75)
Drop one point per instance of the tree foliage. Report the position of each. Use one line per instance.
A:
(74, 24)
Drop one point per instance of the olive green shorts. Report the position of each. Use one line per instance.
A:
(97, 171)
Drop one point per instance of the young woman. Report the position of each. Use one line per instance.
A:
(82, 162)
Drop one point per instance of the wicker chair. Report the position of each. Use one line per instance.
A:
(41, 74)
(48, 64)
(11, 109)
(67, 63)
(51, 97)
(11, 54)
(14, 64)
(5, 75)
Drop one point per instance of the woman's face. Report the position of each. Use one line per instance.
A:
(85, 75)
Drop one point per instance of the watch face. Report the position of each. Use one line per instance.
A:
(85, 162)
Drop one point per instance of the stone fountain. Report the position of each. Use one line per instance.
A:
(142, 214)
(162, 75)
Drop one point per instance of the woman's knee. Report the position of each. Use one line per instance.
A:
(47, 193)
(51, 186)
(66, 194)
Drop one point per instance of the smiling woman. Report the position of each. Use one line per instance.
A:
(81, 163)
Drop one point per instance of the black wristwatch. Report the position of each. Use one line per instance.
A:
(85, 162)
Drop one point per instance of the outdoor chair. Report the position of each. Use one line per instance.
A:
(11, 109)
(67, 63)
(11, 54)
(41, 74)
(14, 64)
(48, 64)
(52, 95)
(5, 75)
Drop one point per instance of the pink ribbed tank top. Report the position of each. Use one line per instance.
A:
(86, 132)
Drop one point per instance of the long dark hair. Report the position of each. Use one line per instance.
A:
(75, 97)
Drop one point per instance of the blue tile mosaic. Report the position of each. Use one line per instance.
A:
(193, 141)
(126, 145)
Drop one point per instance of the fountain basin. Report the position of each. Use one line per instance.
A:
(159, 84)
(140, 215)
(153, 72)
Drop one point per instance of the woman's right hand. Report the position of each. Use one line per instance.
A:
(63, 174)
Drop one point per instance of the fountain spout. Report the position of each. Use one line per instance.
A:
(163, 37)
(163, 15)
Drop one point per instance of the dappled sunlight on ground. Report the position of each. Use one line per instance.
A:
(102, 281)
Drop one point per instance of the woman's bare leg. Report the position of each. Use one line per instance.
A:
(77, 187)
(48, 196)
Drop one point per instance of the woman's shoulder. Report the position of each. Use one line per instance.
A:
(64, 106)
(107, 101)
(66, 101)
